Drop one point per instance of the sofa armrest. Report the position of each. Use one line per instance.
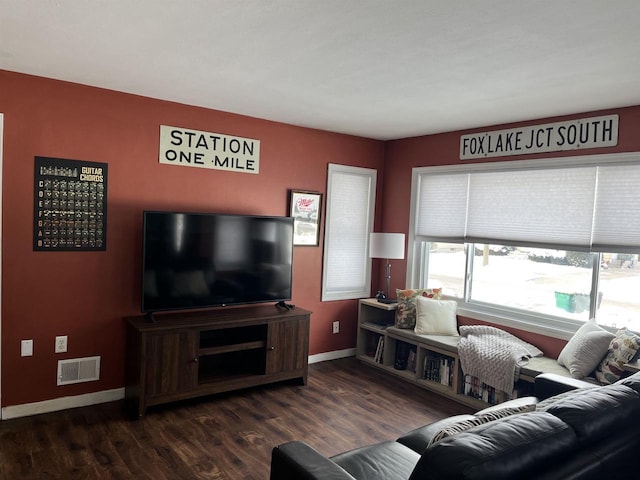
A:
(300, 461)
(549, 384)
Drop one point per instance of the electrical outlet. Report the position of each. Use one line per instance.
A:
(336, 327)
(26, 348)
(61, 344)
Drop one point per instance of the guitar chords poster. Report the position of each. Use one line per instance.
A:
(70, 205)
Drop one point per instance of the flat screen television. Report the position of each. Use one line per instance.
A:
(200, 260)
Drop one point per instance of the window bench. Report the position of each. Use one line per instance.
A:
(528, 372)
(433, 361)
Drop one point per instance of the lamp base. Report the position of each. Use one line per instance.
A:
(387, 300)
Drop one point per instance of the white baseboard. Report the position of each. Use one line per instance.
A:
(336, 354)
(62, 403)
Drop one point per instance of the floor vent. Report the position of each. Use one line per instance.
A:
(76, 370)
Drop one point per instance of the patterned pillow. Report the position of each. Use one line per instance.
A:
(406, 310)
(464, 425)
(621, 350)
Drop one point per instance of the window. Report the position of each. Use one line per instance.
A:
(446, 267)
(619, 284)
(351, 195)
(528, 243)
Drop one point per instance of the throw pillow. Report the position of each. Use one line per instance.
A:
(585, 350)
(464, 425)
(406, 309)
(435, 317)
(621, 350)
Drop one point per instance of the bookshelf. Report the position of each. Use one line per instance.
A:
(429, 361)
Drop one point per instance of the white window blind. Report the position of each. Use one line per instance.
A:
(442, 206)
(349, 220)
(617, 214)
(589, 205)
(548, 206)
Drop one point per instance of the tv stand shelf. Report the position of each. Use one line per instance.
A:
(190, 354)
(236, 347)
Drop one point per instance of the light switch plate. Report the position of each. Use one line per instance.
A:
(26, 348)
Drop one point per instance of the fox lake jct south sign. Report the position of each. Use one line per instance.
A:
(577, 134)
(194, 148)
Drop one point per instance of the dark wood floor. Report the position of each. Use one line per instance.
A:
(345, 405)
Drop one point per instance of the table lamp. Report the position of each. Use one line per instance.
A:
(387, 246)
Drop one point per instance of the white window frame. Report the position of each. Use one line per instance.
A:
(333, 233)
(557, 327)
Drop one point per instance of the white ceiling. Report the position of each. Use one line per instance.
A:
(381, 69)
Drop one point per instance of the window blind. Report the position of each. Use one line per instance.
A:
(552, 206)
(616, 223)
(442, 206)
(579, 207)
(349, 220)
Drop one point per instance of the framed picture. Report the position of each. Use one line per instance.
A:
(305, 208)
(69, 206)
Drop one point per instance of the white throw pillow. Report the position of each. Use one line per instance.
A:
(435, 317)
(585, 350)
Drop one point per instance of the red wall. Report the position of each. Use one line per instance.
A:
(401, 156)
(86, 294)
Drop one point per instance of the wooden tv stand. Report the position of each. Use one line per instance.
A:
(190, 354)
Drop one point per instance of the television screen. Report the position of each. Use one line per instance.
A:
(194, 260)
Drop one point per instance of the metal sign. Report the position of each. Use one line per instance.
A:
(577, 134)
(194, 148)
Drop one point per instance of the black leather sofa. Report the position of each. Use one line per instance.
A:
(578, 431)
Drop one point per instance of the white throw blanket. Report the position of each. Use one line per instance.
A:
(493, 355)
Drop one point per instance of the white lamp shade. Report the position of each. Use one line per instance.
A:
(386, 245)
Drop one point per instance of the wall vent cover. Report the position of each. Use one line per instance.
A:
(77, 370)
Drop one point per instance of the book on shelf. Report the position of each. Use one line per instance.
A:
(405, 356)
(473, 387)
(444, 371)
(411, 360)
(379, 351)
(438, 368)
(371, 345)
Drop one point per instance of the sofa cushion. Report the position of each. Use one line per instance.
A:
(302, 462)
(418, 439)
(632, 382)
(594, 413)
(406, 309)
(383, 461)
(586, 348)
(545, 404)
(621, 350)
(479, 419)
(537, 365)
(500, 450)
